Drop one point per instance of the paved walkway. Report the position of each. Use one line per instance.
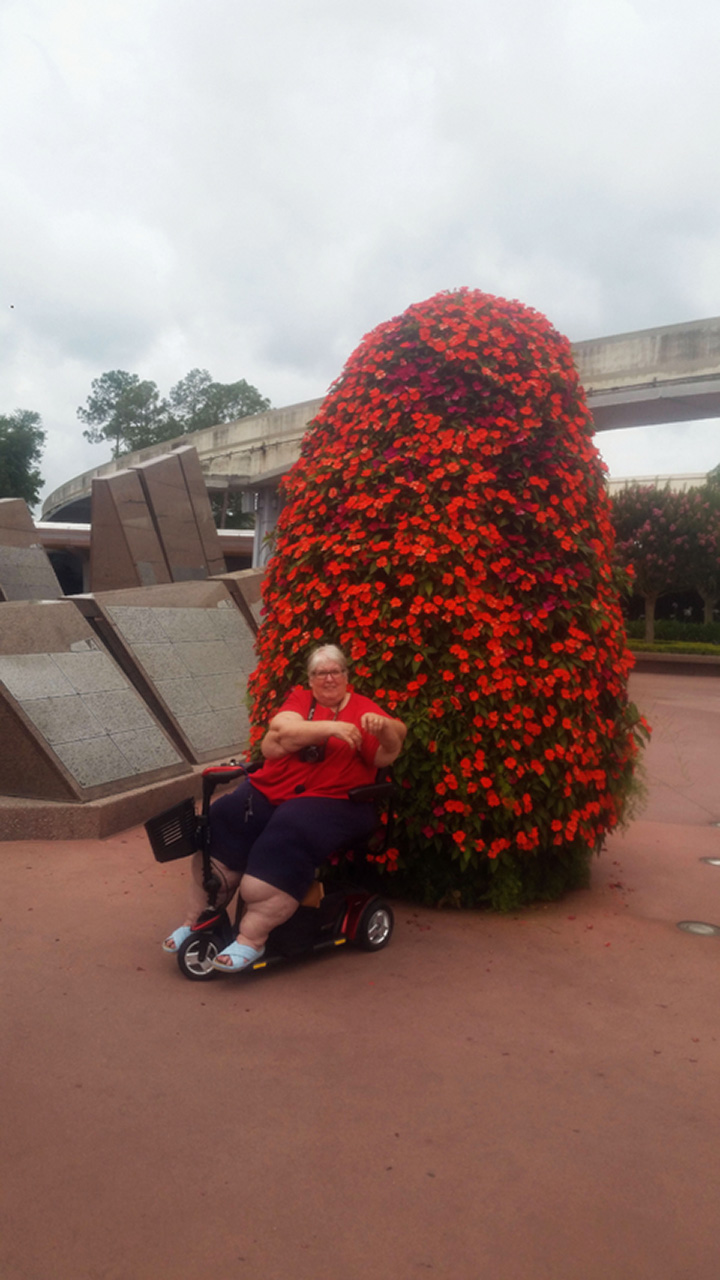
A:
(524, 1098)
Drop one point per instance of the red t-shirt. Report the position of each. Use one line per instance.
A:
(342, 766)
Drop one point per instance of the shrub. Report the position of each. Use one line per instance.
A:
(675, 646)
(671, 629)
(447, 524)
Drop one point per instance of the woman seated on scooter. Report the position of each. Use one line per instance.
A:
(270, 833)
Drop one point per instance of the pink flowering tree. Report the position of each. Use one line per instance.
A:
(698, 516)
(670, 540)
(651, 543)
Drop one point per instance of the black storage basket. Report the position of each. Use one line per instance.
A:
(174, 833)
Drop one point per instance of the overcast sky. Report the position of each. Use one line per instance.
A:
(249, 186)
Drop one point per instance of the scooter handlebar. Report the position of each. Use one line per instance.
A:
(218, 775)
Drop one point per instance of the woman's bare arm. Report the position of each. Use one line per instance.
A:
(289, 732)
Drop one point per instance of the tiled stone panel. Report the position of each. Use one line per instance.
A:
(74, 707)
(193, 648)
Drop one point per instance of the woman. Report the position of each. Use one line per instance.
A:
(270, 834)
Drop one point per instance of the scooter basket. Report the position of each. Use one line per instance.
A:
(174, 833)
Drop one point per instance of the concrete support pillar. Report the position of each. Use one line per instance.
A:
(268, 505)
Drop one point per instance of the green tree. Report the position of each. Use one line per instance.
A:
(227, 509)
(125, 410)
(21, 444)
(197, 402)
(130, 412)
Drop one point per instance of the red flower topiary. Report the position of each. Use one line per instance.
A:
(447, 524)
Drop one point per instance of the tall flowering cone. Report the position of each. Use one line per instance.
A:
(447, 524)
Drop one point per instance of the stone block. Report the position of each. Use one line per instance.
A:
(72, 725)
(183, 697)
(94, 762)
(144, 749)
(186, 624)
(33, 675)
(65, 819)
(141, 625)
(17, 527)
(245, 586)
(163, 482)
(62, 719)
(204, 731)
(118, 709)
(28, 767)
(26, 574)
(161, 662)
(191, 650)
(90, 671)
(125, 550)
(222, 692)
(207, 657)
(202, 510)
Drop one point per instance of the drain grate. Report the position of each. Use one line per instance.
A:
(699, 926)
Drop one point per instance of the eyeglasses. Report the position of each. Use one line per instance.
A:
(327, 675)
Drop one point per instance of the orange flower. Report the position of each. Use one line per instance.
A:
(406, 537)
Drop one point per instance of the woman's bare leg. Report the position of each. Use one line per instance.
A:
(265, 908)
(197, 897)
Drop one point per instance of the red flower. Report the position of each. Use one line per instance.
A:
(449, 514)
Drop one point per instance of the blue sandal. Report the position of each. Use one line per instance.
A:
(239, 957)
(173, 943)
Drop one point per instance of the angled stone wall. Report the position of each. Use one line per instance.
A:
(152, 524)
(72, 724)
(189, 649)
(25, 570)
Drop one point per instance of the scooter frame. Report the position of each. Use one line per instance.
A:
(344, 914)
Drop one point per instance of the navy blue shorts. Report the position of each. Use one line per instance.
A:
(283, 844)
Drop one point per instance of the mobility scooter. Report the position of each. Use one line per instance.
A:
(324, 919)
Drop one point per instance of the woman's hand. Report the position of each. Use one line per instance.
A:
(348, 733)
(389, 733)
(373, 723)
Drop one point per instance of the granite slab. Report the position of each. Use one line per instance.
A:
(125, 550)
(163, 483)
(245, 586)
(27, 574)
(17, 527)
(200, 502)
(72, 723)
(192, 649)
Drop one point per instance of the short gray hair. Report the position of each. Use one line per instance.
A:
(329, 651)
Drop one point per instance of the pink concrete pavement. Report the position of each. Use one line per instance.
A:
(523, 1098)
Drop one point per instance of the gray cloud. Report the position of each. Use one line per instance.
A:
(250, 188)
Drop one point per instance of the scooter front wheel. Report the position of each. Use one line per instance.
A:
(196, 954)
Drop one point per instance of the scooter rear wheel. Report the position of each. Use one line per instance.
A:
(375, 926)
(196, 954)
